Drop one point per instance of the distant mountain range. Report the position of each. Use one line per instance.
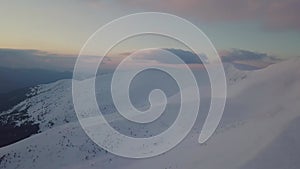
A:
(14, 79)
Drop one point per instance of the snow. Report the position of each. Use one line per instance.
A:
(260, 118)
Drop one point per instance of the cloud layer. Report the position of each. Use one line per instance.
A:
(156, 55)
(35, 59)
(247, 60)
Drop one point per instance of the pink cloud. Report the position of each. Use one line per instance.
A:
(283, 15)
(274, 14)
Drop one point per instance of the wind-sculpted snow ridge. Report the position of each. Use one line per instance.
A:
(259, 121)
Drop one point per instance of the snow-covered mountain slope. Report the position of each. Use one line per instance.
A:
(234, 75)
(41, 109)
(262, 107)
(284, 151)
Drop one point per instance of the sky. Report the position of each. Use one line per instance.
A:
(63, 26)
